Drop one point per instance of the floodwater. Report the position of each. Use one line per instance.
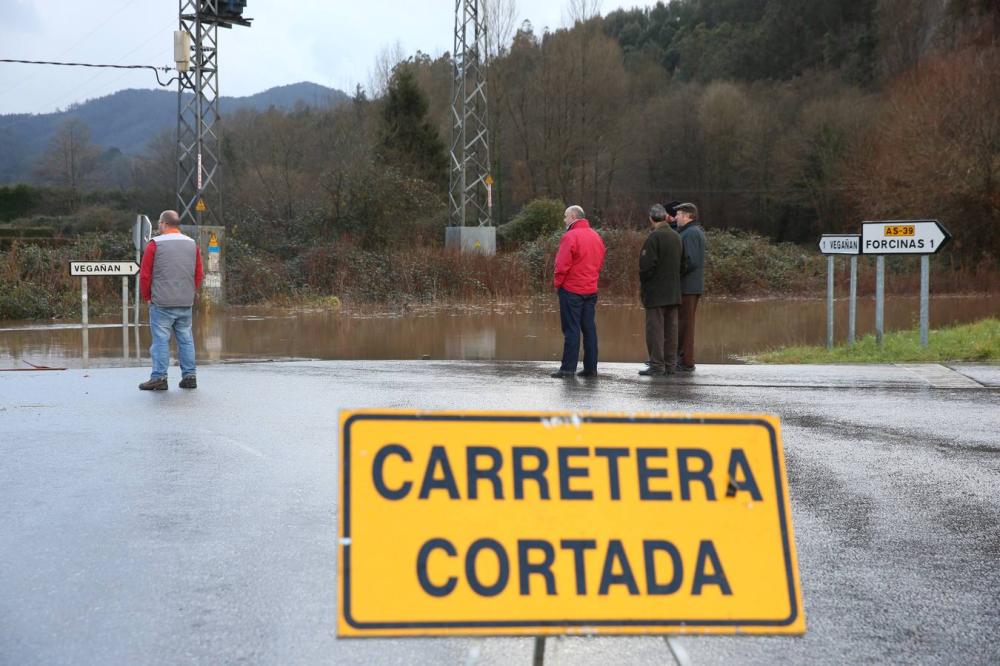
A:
(522, 330)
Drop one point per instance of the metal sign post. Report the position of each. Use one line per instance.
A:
(125, 317)
(925, 279)
(879, 297)
(829, 302)
(86, 336)
(922, 237)
(138, 354)
(142, 232)
(852, 316)
(831, 245)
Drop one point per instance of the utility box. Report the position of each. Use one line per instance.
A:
(212, 242)
(482, 240)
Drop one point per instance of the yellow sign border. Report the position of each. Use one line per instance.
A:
(348, 627)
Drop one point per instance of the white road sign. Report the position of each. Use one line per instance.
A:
(94, 268)
(903, 237)
(840, 244)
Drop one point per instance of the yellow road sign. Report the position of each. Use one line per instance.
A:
(550, 523)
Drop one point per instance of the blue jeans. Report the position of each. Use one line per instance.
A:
(576, 313)
(162, 321)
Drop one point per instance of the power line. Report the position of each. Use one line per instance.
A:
(79, 41)
(156, 70)
(72, 92)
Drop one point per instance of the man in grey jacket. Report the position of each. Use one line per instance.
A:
(692, 280)
(170, 276)
(660, 285)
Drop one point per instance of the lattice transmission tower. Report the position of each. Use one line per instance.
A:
(470, 188)
(199, 193)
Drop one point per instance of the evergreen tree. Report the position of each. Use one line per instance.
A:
(406, 139)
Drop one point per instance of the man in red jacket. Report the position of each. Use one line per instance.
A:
(578, 266)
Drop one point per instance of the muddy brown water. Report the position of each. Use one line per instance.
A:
(523, 330)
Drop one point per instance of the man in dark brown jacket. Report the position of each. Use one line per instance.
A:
(660, 285)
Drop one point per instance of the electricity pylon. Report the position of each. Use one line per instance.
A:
(470, 190)
(199, 195)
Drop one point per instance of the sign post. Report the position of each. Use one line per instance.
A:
(831, 245)
(921, 237)
(542, 523)
(142, 232)
(829, 302)
(85, 269)
(925, 281)
(125, 317)
(84, 322)
(879, 297)
(852, 316)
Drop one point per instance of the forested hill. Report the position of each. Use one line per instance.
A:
(868, 41)
(786, 118)
(127, 120)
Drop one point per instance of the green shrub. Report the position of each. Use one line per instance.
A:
(538, 218)
(25, 300)
(254, 276)
(35, 282)
(741, 263)
(17, 201)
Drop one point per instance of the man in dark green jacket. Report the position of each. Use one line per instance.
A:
(660, 285)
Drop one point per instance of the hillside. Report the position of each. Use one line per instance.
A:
(128, 119)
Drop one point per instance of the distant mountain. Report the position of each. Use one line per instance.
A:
(128, 119)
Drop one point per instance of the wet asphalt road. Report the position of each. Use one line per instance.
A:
(200, 527)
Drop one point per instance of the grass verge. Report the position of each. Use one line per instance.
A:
(979, 341)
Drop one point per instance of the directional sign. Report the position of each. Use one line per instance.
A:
(903, 237)
(840, 244)
(93, 268)
(556, 523)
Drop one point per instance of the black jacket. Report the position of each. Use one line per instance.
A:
(660, 268)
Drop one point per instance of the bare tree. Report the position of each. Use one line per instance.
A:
(935, 151)
(501, 21)
(155, 170)
(388, 57)
(581, 11)
(70, 158)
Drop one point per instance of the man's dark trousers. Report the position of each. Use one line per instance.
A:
(576, 312)
(661, 338)
(689, 308)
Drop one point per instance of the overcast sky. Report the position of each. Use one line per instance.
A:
(330, 42)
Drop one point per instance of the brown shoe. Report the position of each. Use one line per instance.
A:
(189, 382)
(154, 385)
